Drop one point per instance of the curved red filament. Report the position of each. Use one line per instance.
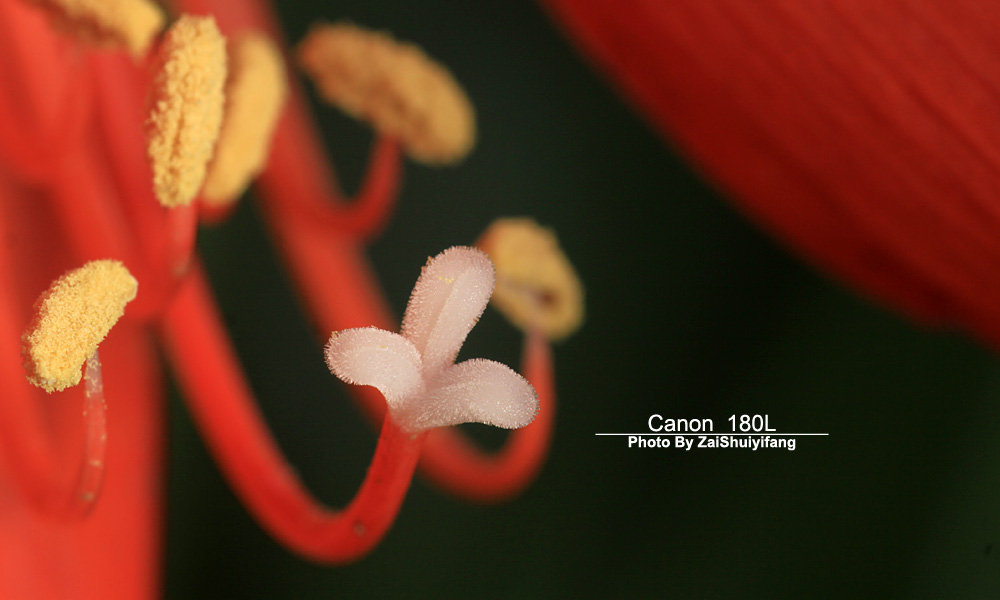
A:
(366, 214)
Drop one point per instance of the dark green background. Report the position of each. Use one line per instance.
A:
(691, 313)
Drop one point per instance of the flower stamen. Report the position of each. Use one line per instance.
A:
(393, 86)
(255, 93)
(91, 475)
(537, 287)
(71, 318)
(187, 110)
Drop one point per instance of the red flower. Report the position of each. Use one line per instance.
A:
(75, 186)
(866, 135)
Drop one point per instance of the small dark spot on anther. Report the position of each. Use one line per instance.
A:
(546, 299)
(359, 529)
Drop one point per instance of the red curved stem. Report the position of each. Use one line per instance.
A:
(366, 215)
(222, 404)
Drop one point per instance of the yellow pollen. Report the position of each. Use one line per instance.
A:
(187, 108)
(255, 93)
(537, 287)
(71, 318)
(125, 23)
(394, 87)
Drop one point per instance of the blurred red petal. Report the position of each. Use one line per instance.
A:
(866, 135)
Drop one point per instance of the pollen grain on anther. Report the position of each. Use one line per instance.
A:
(187, 108)
(71, 318)
(255, 93)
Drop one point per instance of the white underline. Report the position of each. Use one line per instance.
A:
(775, 433)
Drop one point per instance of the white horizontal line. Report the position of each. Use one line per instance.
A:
(774, 433)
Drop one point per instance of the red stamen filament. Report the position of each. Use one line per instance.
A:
(366, 215)
(96, 438)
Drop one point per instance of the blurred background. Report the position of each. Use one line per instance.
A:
(691, 312)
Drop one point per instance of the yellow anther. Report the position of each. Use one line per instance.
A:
(393, 86)
(255, 93)
(187, 108)
(71, 318)
(537, 287)
(127, 23)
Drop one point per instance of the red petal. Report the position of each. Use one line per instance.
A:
(866, 135)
